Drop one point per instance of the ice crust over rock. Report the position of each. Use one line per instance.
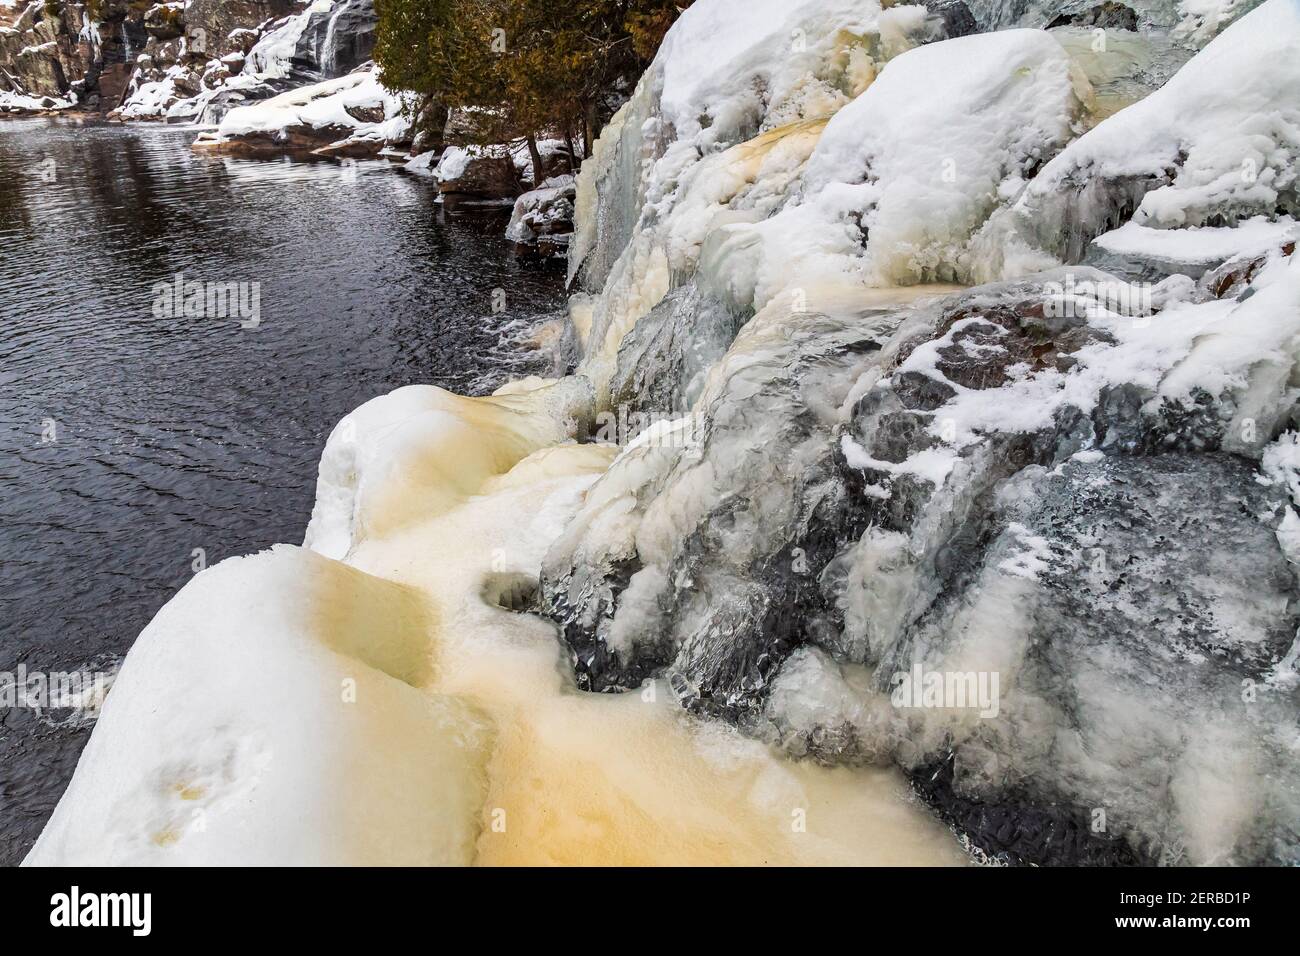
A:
(1216, 145)
(665, 168)
(852, 503)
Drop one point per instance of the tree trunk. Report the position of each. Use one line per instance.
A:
(568, 143)
(588, 128)
(535, 154)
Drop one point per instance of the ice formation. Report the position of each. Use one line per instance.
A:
(1030, 545)
(905, 174)
(259, 711)
(1193, 153)
(884, 533)
(264, 675)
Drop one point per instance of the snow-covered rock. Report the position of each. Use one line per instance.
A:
(327, 39)
(43, 56)
(19, 103)
(904, 175)
(353, 115)
(908, 435)
(1219, 143)
(213, 55)
(478, 172)
(733, 90)
(543, 213)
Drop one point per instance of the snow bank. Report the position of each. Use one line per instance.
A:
(156, 98)
(1199, 245)
(1219, 143)
(11, 102)
(735, 65)
(778, 70)
(423, 164)
(270, 715)
(320, 105)
(1250, 356)
(907, 172)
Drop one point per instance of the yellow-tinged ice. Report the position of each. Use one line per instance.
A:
(733, 184)
(613, 779)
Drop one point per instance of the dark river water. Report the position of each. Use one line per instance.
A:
(130, 438)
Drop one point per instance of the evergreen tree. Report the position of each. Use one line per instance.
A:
(535, 67)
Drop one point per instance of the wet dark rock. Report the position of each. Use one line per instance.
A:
(1140, 598)
(1108, 14)
(365, 114)
(731, 611)
(337, 41)
(1013, 831)
(583, 603)
(662, 360)
(956, 17)
(484, 177)
(298, 138)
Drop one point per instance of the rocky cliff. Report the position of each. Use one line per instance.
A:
(184, 60)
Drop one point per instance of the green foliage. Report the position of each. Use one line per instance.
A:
(538, 66)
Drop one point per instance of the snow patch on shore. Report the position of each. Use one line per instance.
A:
(271, 714)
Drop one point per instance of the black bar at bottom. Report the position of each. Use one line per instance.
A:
(208, 906)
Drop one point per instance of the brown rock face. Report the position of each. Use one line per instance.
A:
(112, 83)
(219, 18)
(164, 23)
(40, 53)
